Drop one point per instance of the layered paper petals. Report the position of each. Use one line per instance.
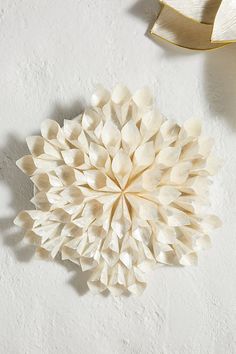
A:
(119, 189)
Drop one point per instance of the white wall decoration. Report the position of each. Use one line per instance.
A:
(119, 189)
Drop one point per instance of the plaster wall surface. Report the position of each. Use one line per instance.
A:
(52, 54)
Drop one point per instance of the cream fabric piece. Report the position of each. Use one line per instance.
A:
(203, 11)
(119, 189)
(196, 24)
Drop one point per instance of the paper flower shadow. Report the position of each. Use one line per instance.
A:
(21, 192)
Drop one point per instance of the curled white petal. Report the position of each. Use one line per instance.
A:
(41, 148)
(143, 157)
(99, 156)
(130, 136)
(150, 124)
(100, 97)
(52, 132)
(76, 158)
(169, 156)
(143, 98)
(27, 165)
(122, 167)
(120, 94)
(111, 137)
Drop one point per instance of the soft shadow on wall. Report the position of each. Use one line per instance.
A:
(147, 11)
(219, 83)
(22, 192)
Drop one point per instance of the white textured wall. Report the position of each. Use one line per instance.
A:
(52, 53)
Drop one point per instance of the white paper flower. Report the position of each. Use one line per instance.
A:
(119, 189)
